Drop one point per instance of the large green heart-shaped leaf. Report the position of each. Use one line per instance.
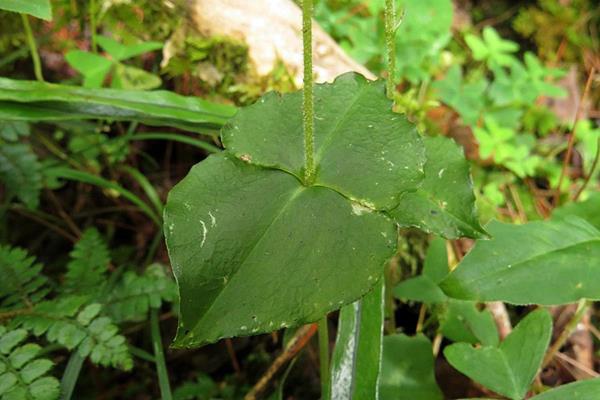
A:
(509, 368)
(362, 148)
(253, 250)
(356, 360)
(445, 203)
(548, 262)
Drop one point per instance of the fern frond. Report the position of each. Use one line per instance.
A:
(22, 285)
(71, 322)
(89, 261)
(21, 173)
(133, 296)
(22, 374)
(12, 130)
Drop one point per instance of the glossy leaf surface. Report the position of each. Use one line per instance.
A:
(445, 203)
(510, 368)
(38, 101)
(253, 250)
(356, 360)
(362, 148)
(38, 8)
(549, 262)
(407, 369)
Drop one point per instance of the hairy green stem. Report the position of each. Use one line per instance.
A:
(324, 356)
(159, 357)
(390, 45)
(37, 64)
(307, 99)
(93, 25)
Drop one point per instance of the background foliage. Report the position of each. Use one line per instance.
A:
(88, 305)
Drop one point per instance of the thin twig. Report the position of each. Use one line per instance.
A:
(589, 175)
(566, 333)
(233, 357)
(296, 344)
(578, 365)
(567, 159)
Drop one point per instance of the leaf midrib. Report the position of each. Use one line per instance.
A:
(260, 238)
(328, 137)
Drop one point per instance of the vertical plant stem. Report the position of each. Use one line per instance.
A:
(571, 142)
(159, 357)
(93, 25)
(307, 99)
(70, 376)
(390, 45)
(582, 308)
(324, 356)
(37, 64)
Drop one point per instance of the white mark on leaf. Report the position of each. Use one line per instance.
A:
(204, 232)
(213, 220)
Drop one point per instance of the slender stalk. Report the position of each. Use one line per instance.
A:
(93, 24)
(571, 142)
(37, 64)
(582, 308)
(159, 357)
(294, 346)
(324, 356)
(591, 173)
(390, 45)
(307, 99)
(70, 376)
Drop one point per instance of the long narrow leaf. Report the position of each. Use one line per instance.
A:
(39, 101)
(86, 177)
(356, 360)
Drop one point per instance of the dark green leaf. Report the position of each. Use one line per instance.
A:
(38, 8)
(510, 368)
(549, 262)
(254, 251)
(444, 204)
(356, 360)
(362, 149)
(38, 101)
(407, 369)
